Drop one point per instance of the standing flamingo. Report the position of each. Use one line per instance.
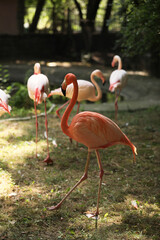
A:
(4, 107)
(94, 131)
(86, 90)
(38, 88)
(118, 80)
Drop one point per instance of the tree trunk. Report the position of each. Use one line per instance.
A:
(33, 26)
(21, 13)
(107, 16)
(87, 24)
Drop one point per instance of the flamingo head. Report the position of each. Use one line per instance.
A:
(37, 96)
(37, 68)
(69, 78)
(5, 107)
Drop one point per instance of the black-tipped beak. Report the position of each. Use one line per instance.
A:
(63, 91)
(104, 83)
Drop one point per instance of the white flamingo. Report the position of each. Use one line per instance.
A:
(4, 107)
(86, 90)
(118, 80)
(38, 89)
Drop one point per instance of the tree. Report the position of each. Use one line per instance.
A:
(39, 7)
(87, 24)
(141, 29)
(107, 16)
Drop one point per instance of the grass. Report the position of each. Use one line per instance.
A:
(28, 187)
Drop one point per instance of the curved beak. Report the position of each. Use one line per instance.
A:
(104, 81)
(113, 63)
(63, 87)
(50, 94)
(5, 107)
(63, 91)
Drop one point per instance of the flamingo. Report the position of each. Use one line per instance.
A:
(86, 90)
(4, 107)
(38, 88)
(118, 80)
(93, 130)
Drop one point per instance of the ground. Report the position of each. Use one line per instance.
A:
(130, 199)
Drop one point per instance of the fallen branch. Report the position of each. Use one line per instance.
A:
(30, 117)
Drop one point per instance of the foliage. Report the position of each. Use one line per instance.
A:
(141, 28)
(4, 76)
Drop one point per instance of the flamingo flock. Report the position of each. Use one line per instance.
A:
(91, 129)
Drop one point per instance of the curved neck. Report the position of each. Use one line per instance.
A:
(99, 95)
(64, 120)
(118, 59)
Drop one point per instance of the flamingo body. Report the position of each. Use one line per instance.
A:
(4, 107)
(96, 131)
(86, 91)
(118, 80)
(41, 82)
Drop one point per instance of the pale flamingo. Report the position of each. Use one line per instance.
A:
(4, 107)
(86, 90)
(38, 89)
(118, 80)
(94, 131)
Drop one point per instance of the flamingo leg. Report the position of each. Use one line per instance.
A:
(57, 112)
(116, 103)
(47, 160)
(84, 177)
(78, 107)
(36, 126)
(100, 184)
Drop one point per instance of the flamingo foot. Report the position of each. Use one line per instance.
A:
(54, 207)
(93, 215)
(48, 160)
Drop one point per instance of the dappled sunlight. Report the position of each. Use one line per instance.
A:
(6, 183)
(15, 130)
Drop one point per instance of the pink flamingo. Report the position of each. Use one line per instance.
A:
(86, 90)
(4, 107)
(118, 80)
(94, 131)
(38, 88)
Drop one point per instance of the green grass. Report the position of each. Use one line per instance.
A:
(28, 187)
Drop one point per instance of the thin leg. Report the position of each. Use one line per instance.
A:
(78, 107)
(48, 160)
(100, 184)
(116, 103)
(36, 126)
(57, 112)
(84, 177)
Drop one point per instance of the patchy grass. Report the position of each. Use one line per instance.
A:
(28, 187)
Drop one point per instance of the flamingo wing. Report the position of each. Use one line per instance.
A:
(95, 130)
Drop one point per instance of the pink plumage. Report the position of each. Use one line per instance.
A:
(93, 130)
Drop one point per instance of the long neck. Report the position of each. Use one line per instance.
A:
(119, 63)
(99, 95)
(64, 120)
